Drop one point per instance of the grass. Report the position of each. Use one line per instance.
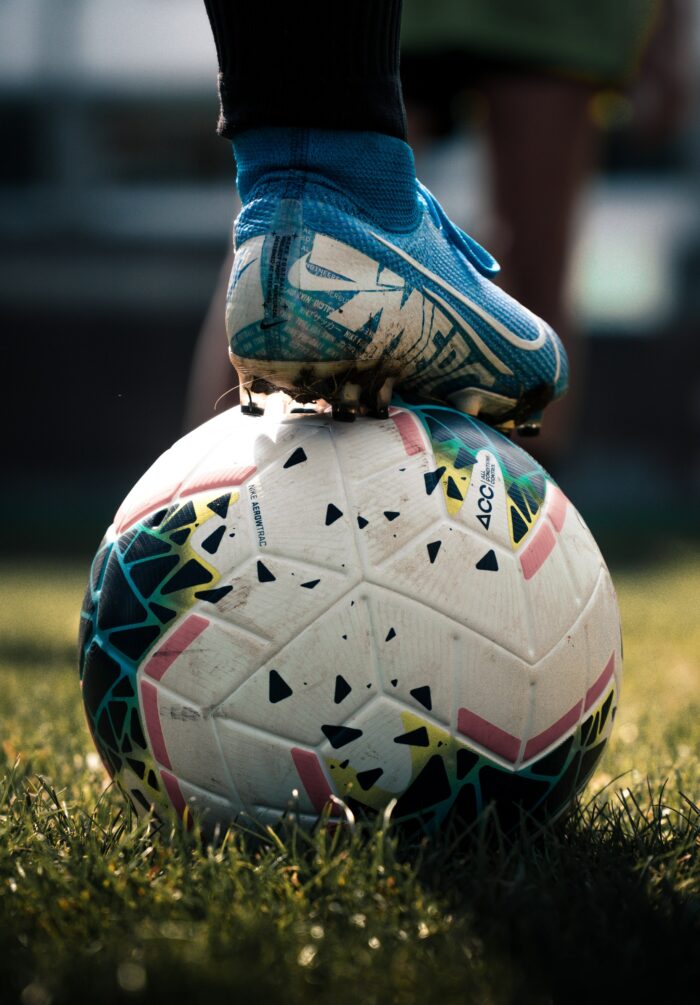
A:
(606, 904)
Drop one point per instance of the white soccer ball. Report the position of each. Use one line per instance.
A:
(405, 609)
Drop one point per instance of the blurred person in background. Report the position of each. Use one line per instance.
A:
(539, 77)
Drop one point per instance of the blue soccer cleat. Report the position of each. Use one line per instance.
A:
(331, 300)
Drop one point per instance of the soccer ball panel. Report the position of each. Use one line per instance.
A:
(410, 641)
(458, 574)
(300, 508)
(203, 661)
(371, 755)
(579, 548)
(264, 771)
(405, 609)
(210, 811)
(492, 696)
(391, 510)
(327, 671)
(183, 739)
(558, 689)
(602, 630)
(366, 449)
(275, 597)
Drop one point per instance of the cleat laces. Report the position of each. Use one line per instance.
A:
(479, 257)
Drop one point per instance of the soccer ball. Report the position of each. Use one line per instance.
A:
(405, 609)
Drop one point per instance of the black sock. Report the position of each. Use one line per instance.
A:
(323, 65)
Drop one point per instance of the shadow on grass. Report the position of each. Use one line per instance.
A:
(604, 903)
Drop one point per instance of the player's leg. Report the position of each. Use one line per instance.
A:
(212, 383)
(349, 280)
(542, 143)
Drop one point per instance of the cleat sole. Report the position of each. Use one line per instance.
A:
(350, 388)
(366, 387)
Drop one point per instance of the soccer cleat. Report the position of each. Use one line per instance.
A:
(325, 303)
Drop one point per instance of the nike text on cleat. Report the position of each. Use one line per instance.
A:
(325, 304)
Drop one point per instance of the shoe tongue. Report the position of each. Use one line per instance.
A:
(479, 257)
(482, 260)
(375, 171)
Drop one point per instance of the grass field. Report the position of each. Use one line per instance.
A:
(605, 905)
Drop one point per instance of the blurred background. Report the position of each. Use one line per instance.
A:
(116, 205)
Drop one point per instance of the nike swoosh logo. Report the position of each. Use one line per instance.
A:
(498, 326)
(332, 265)
(264, 325)
(323, 279)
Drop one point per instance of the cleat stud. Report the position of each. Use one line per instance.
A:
(255, 404)
(381, 412)
(531, 425)
(528, 429)
(349, 395)
(384, 396)
(341, 413)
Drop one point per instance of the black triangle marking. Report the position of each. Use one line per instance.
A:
(394, 681)
(125, 539)
(391, 634)
(452, 490)
(466, 759)
(464, 459)
(155, 519)
(416, 738)
(368, 778)
(311, 583)
(213, 596)
(180, 536)
(520, 528)
(340, 735)
(211, 543)
(433, 549)
(144, 546)
(279, 688)
(164, 614)
(149, 575)
(180, 516)
(489, 563)
(123, 689)
(220, 505)
(138, 767)
(134, 642)
(532, 503)
(332, 514)
(342, 689)
(117, 711)
(298, 457)
(264, 574)
(422, 694)
(391, 514)
(432, 479)
(361, 522)
(192, 573)
(429, 787)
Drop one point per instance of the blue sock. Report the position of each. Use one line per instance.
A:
(376, 171)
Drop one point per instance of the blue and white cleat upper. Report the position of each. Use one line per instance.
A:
(331, 298)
